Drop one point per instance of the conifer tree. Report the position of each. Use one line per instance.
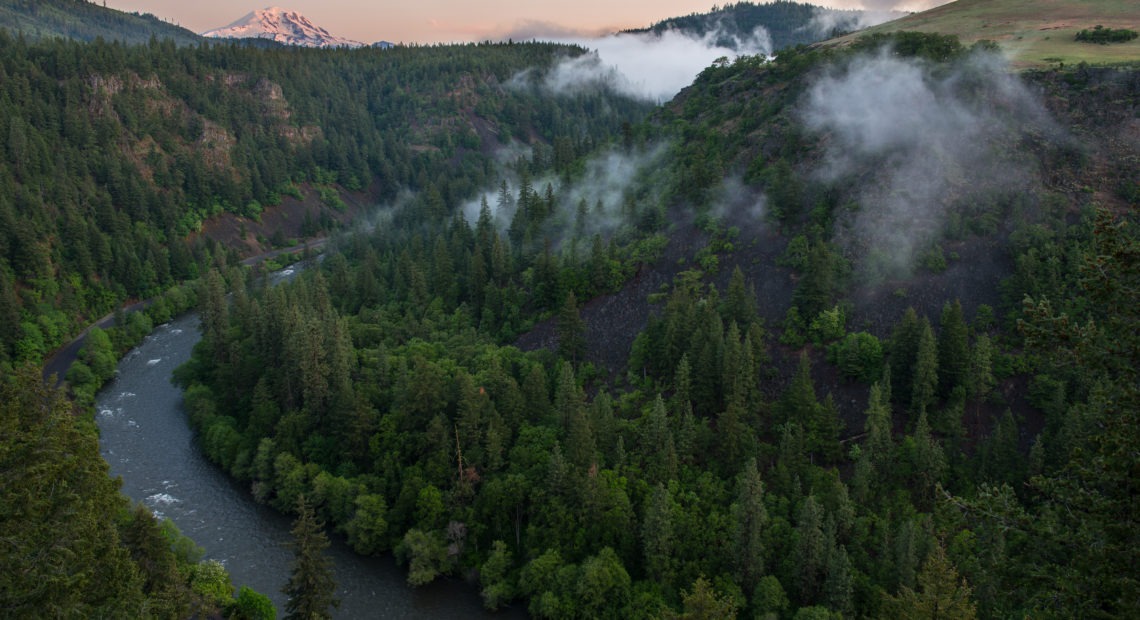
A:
(580, 444)
(733, 385)
(800, 403)
(568, 397)
(750, 519)
(953, 349)
(878, 427)
(940, 593)
(657, 535)
(311, 588)
(838, 585)
(740, 301)
(62, 555)
(928, 458)
(571, 330)
(981, 378)
(925, 378)
(658, 444)
(810, 549)
(903, 350)
(703, 602)
(602, 423)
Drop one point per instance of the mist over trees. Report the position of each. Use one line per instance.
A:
(127, 151)
(816, 453)
(699, 391)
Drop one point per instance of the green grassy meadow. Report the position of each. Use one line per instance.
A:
(1033, 33)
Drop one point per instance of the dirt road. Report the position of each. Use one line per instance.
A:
(61, 360)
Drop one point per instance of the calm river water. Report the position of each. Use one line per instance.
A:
(147, 441)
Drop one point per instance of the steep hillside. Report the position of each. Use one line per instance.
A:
(1032, 33)
(82, 20)
(787, 23)
(852, 332)
(132, 149)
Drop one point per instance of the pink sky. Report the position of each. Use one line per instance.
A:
(433, 21)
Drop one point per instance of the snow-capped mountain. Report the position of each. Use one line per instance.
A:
(283, 26)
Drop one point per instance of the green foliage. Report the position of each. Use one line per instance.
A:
(939, 592)
(87, 21)
(367, 527)
(210, 580)
(953, 349)
(252, 605)
(933, 259)
(425, 553)
(925, 377)
(703, 602)
(828, 326)
(204, 130)
(788, 23)
(858, 356)
(74, 545)
(495, 577)
(603, 589)
(311, 589)
(1104, 36)
(769, 598)
(571, 330)
(928, 45)
(59, 512)
(389, 383)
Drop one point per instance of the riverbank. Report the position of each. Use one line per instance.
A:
(61, 360)
(147, 441)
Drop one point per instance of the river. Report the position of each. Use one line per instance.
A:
(147, 441)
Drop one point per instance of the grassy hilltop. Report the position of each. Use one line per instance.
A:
(1033, 33)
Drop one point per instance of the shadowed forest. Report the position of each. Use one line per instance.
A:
(844, 332)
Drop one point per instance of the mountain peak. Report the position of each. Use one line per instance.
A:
(281, 25)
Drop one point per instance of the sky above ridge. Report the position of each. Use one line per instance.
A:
(446, 21)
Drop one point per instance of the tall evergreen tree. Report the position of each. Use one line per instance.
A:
(739, 301)
(571, 330)
(838, 586)
(657, 535)
(750, 519)
(62, 555)
(953, 349)
(657, 444)
(981, 378)
(925, 377)
(810, 550)
(878, 427)
(311, 588)
(904, 350)
(940, 593)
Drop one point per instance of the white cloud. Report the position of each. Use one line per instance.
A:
(647, 65)
(921, 141)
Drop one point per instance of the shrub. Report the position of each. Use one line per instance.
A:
(1104, 36)
(858, 356)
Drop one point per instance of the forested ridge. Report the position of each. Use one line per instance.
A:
(744, 357)
(115, 155)
(84, 20)
(937, 422)
(786, 23)
(114, 158)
